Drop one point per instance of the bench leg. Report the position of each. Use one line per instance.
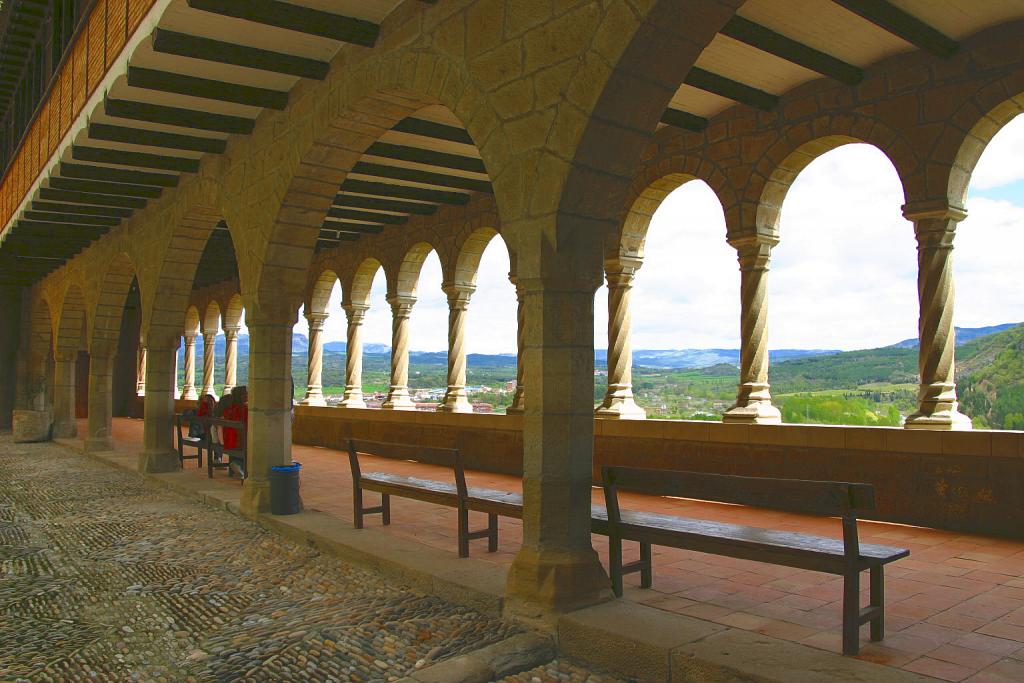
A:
(463, 532)
(878, 602)
(646, 573)
(851, 613)
(615, 564)
(357, 506)
(385, 508)
(492, 533)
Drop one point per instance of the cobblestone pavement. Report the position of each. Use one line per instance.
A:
(105, 577)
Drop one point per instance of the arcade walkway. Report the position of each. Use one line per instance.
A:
(955, 608)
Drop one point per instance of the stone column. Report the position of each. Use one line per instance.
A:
(64, 422)
(315, 361)
(99, 437)
(455, 399)
(618, 401)
(935, 227)
(753, 398)
(519, 400)
(158, 453)
(556, 568)
(209, 360)
(398, 394)
(269, 438)
(188, 392)
(140, 381)
(230, 358)
(355, 313)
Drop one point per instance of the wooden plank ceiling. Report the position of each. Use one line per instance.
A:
(212, 66)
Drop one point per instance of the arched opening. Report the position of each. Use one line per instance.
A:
(125, 386)
(320, 325)
(71, 386)
(843, 303)
(421, 277)
(684, 306)
(986, 264)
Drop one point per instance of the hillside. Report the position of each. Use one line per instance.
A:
(990, 379)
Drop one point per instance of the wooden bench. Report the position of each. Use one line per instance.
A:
(199, 443)
(215, 451)
(454, 493)
(846, 557)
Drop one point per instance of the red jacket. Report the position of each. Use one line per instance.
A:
(235, 413)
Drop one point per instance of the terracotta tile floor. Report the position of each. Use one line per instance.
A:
(955, 607)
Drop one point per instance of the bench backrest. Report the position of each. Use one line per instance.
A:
(827, 498)
(443, 457)
(207, 422)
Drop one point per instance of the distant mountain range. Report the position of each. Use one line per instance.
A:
(651, 358)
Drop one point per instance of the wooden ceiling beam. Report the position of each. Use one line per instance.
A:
(71, 218)
(903, 25)
(346, 226)
(429, 129)
(86, 210)
(151, 138)
(117, 175)
(426, 156)
(769, 41)
(175, 116)
(90, 198)
(386, 218)
(404, 192)
(184, 45)
(142, 160)
(417, 176)
(730, 89)
(684, 119)
(295, 18)
(103, 188)
(165, 81)
(380, 204)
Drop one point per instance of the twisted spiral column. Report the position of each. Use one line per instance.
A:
(935, 228)
(315, 361)
(209, 360)
(140, 373)
(618, 403)
(188, 392)
(398, 395)
(753, 398)
(519, 400)
(355, 313)
(455, 398)
(230, 358)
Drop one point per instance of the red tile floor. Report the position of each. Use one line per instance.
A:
(955, 607)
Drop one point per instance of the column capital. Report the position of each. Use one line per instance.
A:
(231, 331)
(401, 304)
(935, 209)
(459, 293)
(355, 312)
(190, 339)
(316, 320)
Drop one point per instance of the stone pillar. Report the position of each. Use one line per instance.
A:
(230, 358)
(618, 401)
(99, 437)
(935, 227)
(64, 423)
(753, 398)
(556, 568)
(355, 313)
(455, 399)
(315, 361)
(188, 391)
(270, 402)
(398, 394)
(158, 453)
(140, 374)
(519, 400)
(209, 360)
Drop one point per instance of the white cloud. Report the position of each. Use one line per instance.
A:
(1000, 164)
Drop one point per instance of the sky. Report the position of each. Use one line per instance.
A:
(842, 277)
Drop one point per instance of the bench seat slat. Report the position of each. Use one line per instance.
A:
(426, 490)
(718, 537)
(504, 503)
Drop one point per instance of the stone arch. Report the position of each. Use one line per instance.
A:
(407, 280)
(974, 143)
(72, 324)
(769, 189)
(357, 290)
(113, 293)
(320, 293)
(389, 86)
(233, 310)
(647, 199)
(191, 321)
(211, 318)
(467, 262)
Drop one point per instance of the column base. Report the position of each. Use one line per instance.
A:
(30, 426)
(255, 497)
(620, 408)
(313, 400)
(64, 429)
(353, 403)
(946, 420)
(753, 413)
(98, 445)
(158, 462)
(542, 585)
(515, 410)
(455, 401)
(190, 395)
(398, 401)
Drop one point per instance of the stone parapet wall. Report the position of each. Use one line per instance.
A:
(964, 481)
